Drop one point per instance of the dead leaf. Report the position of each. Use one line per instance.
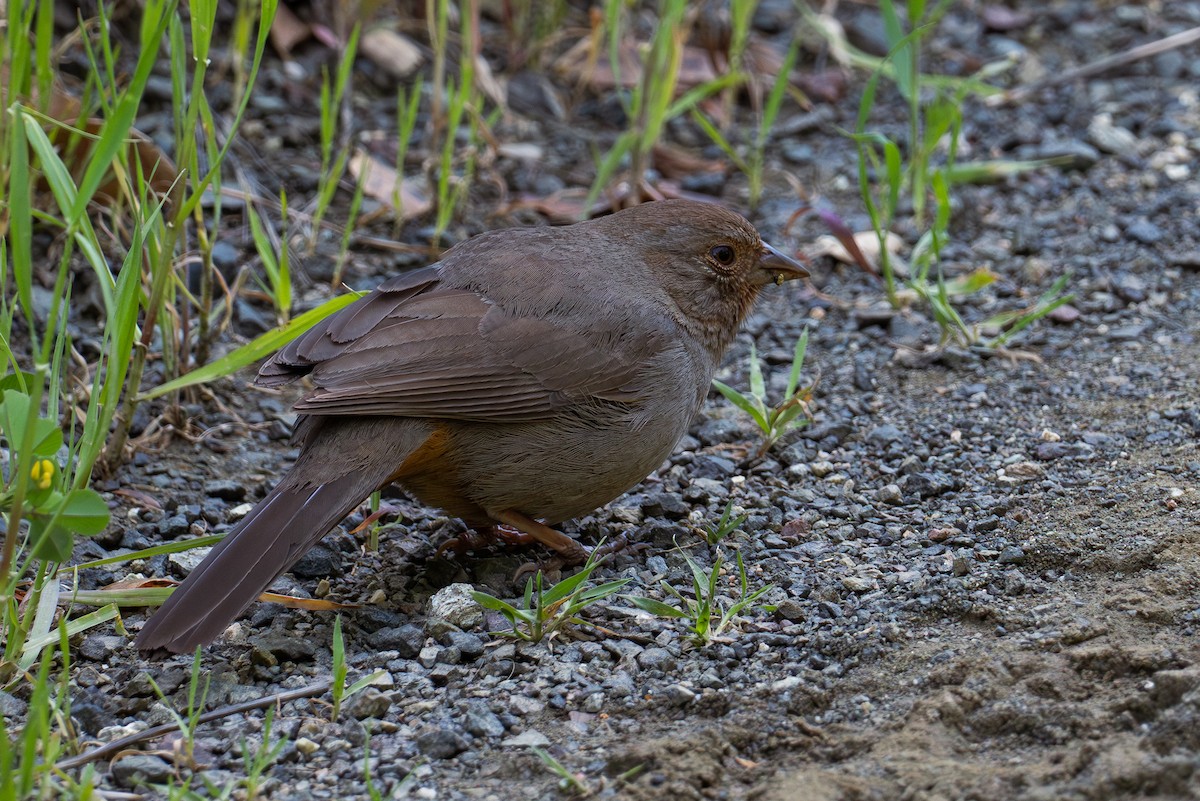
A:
(1002, 19)
(310, 604)
(391, 51)
(139, 583)
(868, 244)
(695, 68)
(288, 30)
(826, 85)
(570, 205)
(381, 185)
(675, 162)
(75, 151)
(140, 498)
(489, 84)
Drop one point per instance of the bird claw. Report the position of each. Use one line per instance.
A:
(575, 557)
(478, 538)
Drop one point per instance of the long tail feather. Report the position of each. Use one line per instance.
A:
(324, 486)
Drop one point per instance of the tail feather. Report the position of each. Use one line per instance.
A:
(241, 567)
(322, 488)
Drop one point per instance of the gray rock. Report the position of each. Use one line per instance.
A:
(527, 739)
(469, 646)
(100, 647)
(656, 659)
(441, 743)
(319, 562)
(370, 703)
(136, 770)
(665, 504)
(11, 706)
(286, 647)
(406, 640)
(225, 256)
(174, 526)
(452, 607)
(1011, 555)
(720, 430)
(885, 434)
(890, 494)
(1144, 231)
(678, 695)
(226, 490)
(480, 721)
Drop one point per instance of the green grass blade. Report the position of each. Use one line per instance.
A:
(654, 607)
(34, 645)
(798, 354)
(758, 387)
(260, 347)
(719, 139)
(156, 15)
(778, 89)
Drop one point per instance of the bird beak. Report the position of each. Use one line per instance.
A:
(781, 268)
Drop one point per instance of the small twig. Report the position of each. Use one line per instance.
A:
(155, 731)
(1096, 67)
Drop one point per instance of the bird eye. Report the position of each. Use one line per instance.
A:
(723, 254)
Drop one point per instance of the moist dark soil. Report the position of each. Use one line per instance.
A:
(985, 564)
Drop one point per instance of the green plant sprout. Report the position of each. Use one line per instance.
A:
(332, 167)
(931, 122)
(652, 102)
(704, 614)
(753, 165)
(567, 781)
(726, 525)
(790, 413)
(277, 267)
(188, 723)
(340, 691)
(544, 612)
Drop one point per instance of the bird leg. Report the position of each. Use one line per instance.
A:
(482, 537)
(569, 551)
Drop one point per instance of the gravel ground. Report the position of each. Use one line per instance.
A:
(984, 566)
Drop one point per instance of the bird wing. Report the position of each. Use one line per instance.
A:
(415, 347)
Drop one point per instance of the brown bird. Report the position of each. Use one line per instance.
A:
(527, 378)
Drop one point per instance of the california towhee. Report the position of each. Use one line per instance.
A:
(531, 375)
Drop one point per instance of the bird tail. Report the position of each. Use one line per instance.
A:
(294, 516)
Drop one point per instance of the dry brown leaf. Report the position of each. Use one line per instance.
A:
(694, 69)
(829, 86)
(139, 497)
(867, 242)
(391, 51)
(570, 205)
(675, 162)
(288, 30)
(311, 604)
(64, 108)
(489, 84)
(380, 184)
(138, 583)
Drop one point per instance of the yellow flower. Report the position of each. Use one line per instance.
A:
(42, 473)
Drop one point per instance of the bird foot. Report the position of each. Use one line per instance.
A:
(583, 555)
(483, 537)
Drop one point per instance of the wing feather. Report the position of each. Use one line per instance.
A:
(417, 347)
